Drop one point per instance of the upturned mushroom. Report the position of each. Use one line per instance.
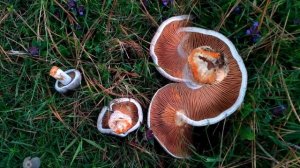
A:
(65, 80)
(214, 81)
(34, 162)
(121, 117)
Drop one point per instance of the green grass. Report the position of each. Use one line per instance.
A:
(112, 51)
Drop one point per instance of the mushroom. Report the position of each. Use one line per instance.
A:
(213, 85)
(66, 80)
(29, 162)
(121, 117)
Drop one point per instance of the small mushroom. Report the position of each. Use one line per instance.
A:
(121, 117)
(66, 80)
(29, 162)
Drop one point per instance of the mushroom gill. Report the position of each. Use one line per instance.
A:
(121, 118)
(174, 135)
(167, 50)
(174, 100)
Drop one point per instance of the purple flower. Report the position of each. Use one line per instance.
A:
(279, 110)
(149, 135)
(255, 38)
(71, 4)
(255, 24)
(57, 13)
(81, 10)
(145, 2)
(254, 32)
(296, 21)
(77, 27)
(253, 29)
(34, 51)
(166, 2)
(237, 10)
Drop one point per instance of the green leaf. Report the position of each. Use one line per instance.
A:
(63, 50)
(10, 8)
(93, 143)
(213, 159)
(79, 149)
(247, 133)
(246, 110)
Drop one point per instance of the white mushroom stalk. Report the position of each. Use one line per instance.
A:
(65, 80)
(60, 75)
(120, 123)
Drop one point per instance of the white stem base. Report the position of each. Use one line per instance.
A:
(62, 77)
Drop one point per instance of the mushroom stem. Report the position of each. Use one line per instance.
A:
(209, 121)
(185, 119)
(60, 75)
(119, 122)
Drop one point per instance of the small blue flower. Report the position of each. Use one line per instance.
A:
(254, 32)
(166, 2)
(248, 32)
(255, 38)
(57, 13)
(34, 51)
(77, 27)
(255, 24)
(145, 2)
(149, 135)
(296, 21)
(81, 10)
(237, 10)
(72, 4)
(279, 110)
